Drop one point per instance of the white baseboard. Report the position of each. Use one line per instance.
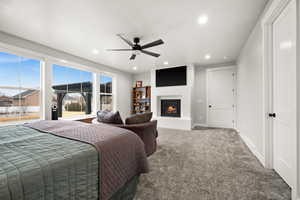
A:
(183, 123)
(253, 149)
(203, 125)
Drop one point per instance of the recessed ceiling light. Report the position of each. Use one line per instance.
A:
(64, 61)
(166, 63)
(134, 68)
(95, 51)
(207, 56)
(225, 57)
(203, 19)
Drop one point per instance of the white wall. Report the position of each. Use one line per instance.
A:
(200, 96)
(145, 77)
(250, 93)
(298, 94)
(124, 94)
(13, 44)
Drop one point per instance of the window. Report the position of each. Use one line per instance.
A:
(106, 97)
(19, 88)
(72, 91)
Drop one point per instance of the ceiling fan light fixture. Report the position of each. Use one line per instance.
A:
(137, 49)
(137, 52)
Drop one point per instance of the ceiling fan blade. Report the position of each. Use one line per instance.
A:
(150, 53)
(152, 44)
(126, 40)
(119, 50)
(132, 57)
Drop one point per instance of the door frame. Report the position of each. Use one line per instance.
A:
(235, 91)
(274, 10)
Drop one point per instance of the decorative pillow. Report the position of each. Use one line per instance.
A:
(108, 117)
(139, 118)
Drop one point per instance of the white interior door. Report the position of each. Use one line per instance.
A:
(221, 97)
(284, 91)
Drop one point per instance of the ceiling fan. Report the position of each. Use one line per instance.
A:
(137, 48)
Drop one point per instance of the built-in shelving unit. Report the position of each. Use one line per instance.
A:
(141, 99)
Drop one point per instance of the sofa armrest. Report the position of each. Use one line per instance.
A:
(143, 128)
(146, 131)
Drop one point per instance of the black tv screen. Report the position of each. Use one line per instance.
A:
(171, 76)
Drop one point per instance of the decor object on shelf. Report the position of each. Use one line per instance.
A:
(141, 99)
(139, 84)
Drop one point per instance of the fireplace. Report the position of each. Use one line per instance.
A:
(170, 108)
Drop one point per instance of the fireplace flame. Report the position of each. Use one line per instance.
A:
(171, 109)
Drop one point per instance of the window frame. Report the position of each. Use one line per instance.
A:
(41, 60)
(46, 63)
(105, 93)
(68, 65)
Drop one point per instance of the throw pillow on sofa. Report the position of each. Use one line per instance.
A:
(139, 118)
(108, 117)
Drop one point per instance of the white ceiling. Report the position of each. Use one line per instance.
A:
(79, 26)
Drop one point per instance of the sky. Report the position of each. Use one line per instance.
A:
(19, 71)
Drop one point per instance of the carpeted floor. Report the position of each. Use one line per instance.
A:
(207, 164)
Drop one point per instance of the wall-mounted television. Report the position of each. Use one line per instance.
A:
(175, 76)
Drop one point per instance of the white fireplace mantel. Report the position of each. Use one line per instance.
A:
(184, 93)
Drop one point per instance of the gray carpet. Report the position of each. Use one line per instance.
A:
(207, 164)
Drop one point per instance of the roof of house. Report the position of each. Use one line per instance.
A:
(24, 94)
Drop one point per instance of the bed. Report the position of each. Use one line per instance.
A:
(69, 160)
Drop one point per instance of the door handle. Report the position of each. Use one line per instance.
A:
(209, 106)
(272, 115)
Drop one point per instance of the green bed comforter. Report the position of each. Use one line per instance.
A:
(35, 166)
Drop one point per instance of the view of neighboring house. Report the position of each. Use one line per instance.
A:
(68, 99)
(5, 101)
(22, 106)
(27, 98)
(27, 102)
